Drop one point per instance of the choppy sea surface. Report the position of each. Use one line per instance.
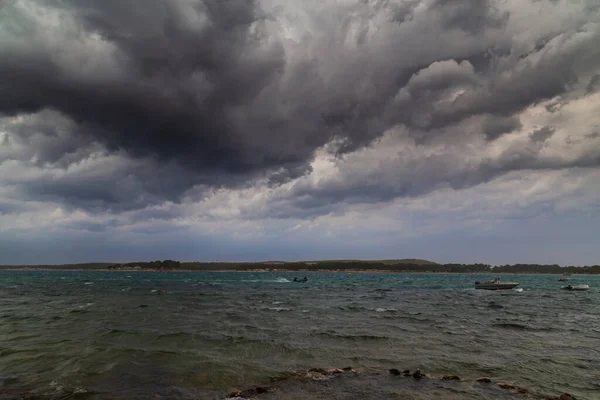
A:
(127, 335)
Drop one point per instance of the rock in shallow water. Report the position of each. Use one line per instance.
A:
(318, 370)
(249, 392)
(508, 386)
(417, 374)
(450, 378)
(566, 396)
(377, 386)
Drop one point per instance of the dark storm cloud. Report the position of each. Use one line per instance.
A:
(208, 93)
(114, 185)
(174, 89)
(192, 91)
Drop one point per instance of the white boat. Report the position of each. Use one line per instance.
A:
(496, 284)
(578, 288)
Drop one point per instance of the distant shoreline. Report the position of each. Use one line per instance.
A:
(299, 271)
(389, 266)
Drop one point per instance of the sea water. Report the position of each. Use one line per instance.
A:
(197, 335)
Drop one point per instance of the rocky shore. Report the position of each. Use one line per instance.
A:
(320, 383)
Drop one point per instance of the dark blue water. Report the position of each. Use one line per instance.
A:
(132, 334)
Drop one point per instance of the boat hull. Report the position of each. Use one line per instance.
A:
(576, 288)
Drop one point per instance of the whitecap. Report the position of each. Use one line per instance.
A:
(385, 309)
(279, 309)
(276, 280)
(88, 283)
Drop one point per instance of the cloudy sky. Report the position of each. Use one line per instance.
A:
(451, 130)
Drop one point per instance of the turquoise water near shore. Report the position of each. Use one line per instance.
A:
(130, 335)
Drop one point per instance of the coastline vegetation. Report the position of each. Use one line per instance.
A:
(406, 266)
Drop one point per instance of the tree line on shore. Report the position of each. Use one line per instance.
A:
(361, 265)
(343, 265)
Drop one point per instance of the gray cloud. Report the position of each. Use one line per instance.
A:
(594, 84)
(403, 11)
(120, 107)
(494, 126)
(472, 16)
(542, 134)
(593, 135)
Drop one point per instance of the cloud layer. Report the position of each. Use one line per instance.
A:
(221, 115)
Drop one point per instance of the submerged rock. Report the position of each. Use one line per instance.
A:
(484, 380)
(508, 386)
(249, 392)
(566, 396)
(450, 378)
(406, 372)
(321, 371)
(372, 385)
(347, 369)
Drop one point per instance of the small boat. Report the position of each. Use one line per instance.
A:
(577, 288)
(496, 284)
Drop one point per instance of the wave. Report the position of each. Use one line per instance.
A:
(276, 280)
(278, 309)
(335, 335)
(82, 310)
(519, 327)
(353, 308)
